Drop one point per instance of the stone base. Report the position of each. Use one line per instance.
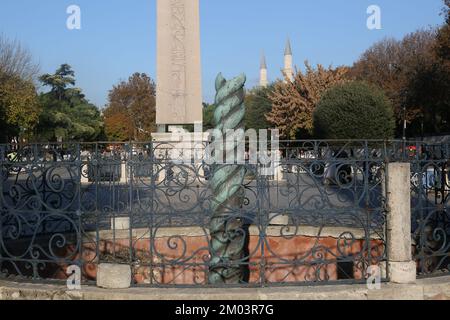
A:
(113, 276)
(402, 272)
(383, 267)
(179, 146)
(181, 137)
(426, 289)
(120, 223)
(278, 220)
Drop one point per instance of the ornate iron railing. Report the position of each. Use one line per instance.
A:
(430, 189)
(317, 215)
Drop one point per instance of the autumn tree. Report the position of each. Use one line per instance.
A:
(131, 110)
(442, 74)
(293, 103)
(409, 73)
(442, 47)
(16, 60)
(19, 108)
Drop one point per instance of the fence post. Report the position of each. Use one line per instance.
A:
(123, 172)
(401, 267)
(84, 173)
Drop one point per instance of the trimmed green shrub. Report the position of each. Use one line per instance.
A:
(354, 110)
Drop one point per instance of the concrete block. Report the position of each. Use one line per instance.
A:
(113, 276)
(122, 223)
(402, 272)
(278, 220)
(397, 292)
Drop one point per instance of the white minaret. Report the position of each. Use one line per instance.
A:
(263, 82)
(288, 70)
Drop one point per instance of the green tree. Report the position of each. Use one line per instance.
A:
(208, 116)
(67, 114)
(258, 104)
(355, 110)
(59, 81)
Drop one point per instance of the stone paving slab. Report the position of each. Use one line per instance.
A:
(424, 289)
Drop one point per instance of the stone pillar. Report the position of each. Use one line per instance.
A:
(123, 173)
(401, 267)
(278, 166)
(84, 173)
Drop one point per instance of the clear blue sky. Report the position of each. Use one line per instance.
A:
(118, 36)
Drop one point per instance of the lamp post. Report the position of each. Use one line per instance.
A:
(404, 123)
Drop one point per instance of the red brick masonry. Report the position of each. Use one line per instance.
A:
(181, 260)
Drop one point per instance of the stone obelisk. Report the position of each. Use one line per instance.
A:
(179, 89)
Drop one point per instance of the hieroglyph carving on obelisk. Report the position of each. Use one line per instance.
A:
(179, 92)
(178, 72)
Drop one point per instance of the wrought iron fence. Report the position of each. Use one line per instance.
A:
(430, 189)
(316, 215)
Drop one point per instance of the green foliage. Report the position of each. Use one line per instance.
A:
(66, 113)
(208, 116)
(19, 109)
(258, 104)
(355, 110)
(59, 81)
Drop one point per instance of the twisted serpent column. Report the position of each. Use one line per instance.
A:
(227, 231)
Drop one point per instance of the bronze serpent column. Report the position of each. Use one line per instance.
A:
(228, 233)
